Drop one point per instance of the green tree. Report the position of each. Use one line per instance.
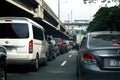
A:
(103, 1)
(106, 19)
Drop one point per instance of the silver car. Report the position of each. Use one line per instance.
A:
(99, 53)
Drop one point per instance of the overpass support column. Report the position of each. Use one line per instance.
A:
(58, 27)
(39, 10)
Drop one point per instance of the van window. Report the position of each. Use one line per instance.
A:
(14, 30)
(38, 33)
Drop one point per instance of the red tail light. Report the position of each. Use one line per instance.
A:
(31, 46)
(60, 46)
(88, 56)
(8, 20)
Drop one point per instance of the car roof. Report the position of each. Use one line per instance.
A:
(20, 19)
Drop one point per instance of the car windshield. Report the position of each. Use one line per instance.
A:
(104, 40)
(14, 30)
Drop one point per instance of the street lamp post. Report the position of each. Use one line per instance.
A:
(59, 8)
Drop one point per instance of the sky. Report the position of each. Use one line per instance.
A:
(74, 9)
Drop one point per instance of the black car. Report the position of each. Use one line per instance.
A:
(3, 64)
(99, 54)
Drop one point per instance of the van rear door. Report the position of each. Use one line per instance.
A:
(14, 36)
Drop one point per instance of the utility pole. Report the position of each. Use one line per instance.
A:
(59, 9)
(71, 16)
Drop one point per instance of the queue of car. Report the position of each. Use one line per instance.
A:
(57, 46)
(99, 54)
(25, 43)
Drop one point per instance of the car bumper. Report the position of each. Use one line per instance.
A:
(20, 62)
(94, 69)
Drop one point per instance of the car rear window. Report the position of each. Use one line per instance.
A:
(14, 30)
(104, 40)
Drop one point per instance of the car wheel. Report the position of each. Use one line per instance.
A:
(47, 55)
(36, 64)
(54, 55)
(50, 56)
(82, 74)
(45, 60)
(3, 73)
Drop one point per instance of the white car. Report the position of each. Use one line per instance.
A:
(25, 41)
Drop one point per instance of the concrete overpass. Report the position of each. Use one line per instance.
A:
(77, 27)
(76, 24)
(37, 10)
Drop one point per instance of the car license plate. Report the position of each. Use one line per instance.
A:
(113, 63)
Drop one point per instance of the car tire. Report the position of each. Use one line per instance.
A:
(48, 56)
(54, 55)
(45, 60)
(78, 74)
(82, 74)
(36, 64)
(3, 71)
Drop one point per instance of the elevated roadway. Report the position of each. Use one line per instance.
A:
(76, 24)
(37, 10)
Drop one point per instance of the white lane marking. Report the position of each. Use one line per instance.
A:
(63, 63)
(70, 55)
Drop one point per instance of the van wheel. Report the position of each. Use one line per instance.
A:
(3, 72)
(54, 55)
(36, 64)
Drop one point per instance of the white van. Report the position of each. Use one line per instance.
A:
(25, 41)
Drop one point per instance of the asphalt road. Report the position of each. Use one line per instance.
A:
(61, 68)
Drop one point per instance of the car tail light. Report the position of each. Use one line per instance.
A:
(8, 20)
(31, 46)
(60, 46)
(88, 58)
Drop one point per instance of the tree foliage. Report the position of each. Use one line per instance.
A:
(106, 19)
(102, 1)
